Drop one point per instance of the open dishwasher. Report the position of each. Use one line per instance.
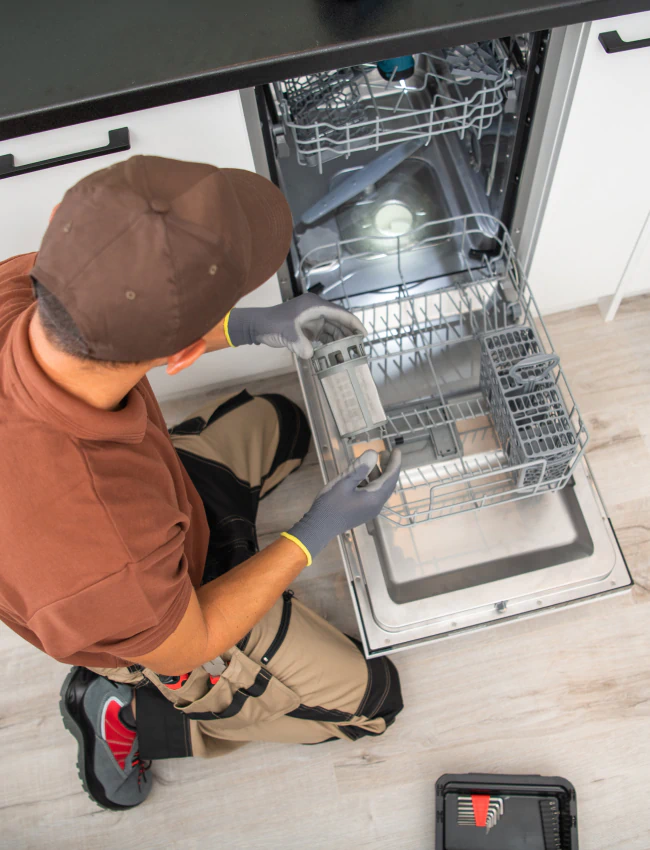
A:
(402, 177)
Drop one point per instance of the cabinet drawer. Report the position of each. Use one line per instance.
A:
(192, 130)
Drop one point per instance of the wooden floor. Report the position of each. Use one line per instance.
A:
(567, 693)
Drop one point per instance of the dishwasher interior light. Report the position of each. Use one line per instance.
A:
(394, 219)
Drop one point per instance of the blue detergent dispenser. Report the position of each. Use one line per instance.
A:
(400, 68)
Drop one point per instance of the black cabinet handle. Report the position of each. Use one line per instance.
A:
(118, 140)
(613, 43)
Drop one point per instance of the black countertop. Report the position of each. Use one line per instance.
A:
(65, 61)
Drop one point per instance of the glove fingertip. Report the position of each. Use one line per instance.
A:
(369, 458)
(387, 481)
(362, 328)
(394, 462)
(363, 466)
(304, 349)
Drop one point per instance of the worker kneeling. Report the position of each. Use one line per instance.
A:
(144, 570)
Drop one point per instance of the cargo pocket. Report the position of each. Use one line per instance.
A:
(245, 694)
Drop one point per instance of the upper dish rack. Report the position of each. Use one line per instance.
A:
(338, 112)
(427, 353)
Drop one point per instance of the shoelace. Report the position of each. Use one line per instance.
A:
(142, 765)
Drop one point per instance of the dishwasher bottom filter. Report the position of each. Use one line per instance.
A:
(342, 368)
(502, 812)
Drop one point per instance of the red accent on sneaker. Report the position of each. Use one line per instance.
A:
(214, 679)
(118, 736)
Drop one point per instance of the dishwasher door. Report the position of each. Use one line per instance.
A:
(467, 541)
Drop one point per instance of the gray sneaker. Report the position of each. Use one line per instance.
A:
(109, 764)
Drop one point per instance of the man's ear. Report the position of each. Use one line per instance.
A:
(184, 358)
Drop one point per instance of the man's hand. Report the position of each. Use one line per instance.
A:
(345, 503)
(296, 324)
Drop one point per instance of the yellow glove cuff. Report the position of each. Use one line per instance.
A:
(225, 329)
(300, 544)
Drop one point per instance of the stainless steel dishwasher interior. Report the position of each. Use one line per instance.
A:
(414, 581)
(435, 184)
(515, 540)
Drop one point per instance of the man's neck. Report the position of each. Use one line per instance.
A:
(99, 386)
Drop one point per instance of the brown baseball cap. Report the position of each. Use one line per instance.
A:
(150, 254)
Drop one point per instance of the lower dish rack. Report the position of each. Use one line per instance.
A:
(473, 392)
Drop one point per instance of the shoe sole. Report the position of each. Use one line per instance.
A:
(77, 723)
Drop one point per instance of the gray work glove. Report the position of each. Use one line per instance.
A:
(343, 504)
(295, 325)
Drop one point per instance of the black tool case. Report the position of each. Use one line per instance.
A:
(513, 812)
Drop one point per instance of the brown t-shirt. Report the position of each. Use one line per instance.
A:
(103, 533)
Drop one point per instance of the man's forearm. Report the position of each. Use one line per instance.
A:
(221, 612)
(233, 603)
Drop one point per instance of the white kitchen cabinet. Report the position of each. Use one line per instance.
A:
(208, 129)
(600, 191)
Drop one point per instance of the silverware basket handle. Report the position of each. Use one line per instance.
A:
(547, 362)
